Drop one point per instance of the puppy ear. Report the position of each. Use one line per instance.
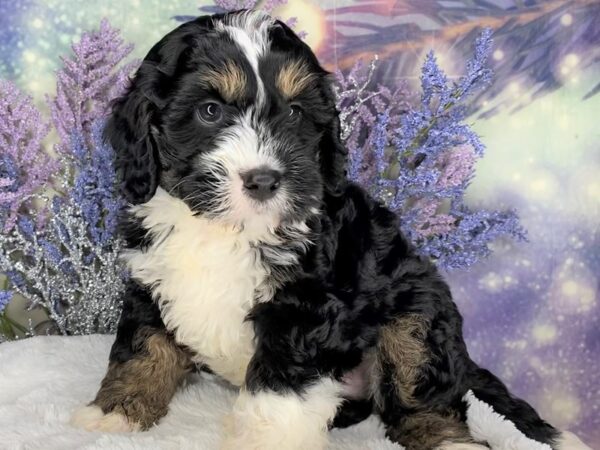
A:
(128, 132)
(129, 128)
(333, 156)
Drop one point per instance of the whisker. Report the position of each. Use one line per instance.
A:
(176, 186)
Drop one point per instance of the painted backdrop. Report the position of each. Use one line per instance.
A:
(531, 309)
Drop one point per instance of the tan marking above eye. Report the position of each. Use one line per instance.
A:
(229, 80)
(293, 78)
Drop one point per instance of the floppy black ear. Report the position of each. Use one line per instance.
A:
(129, 128)
(128, 132)
(333, 155)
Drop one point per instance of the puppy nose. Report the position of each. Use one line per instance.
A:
(262, 183)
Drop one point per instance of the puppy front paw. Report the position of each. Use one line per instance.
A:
(265, 435)
(271, 421)
(91, 418)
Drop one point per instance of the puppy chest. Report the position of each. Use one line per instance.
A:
(205, 281)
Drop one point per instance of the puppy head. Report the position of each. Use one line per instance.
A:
(234, 115)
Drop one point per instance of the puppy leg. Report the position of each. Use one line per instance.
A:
(402, 356)
(291, 391)
(134, 394)
(145, 367)
(429, 430)
(268, 420)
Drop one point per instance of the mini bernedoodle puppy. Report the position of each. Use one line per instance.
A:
(253, 256)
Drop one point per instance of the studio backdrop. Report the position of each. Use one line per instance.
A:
(531, 305)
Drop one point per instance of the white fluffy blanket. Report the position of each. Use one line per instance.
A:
(43, 379)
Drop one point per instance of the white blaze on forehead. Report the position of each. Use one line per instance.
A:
(249, 30)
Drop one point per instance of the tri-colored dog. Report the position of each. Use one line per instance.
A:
(252, 255)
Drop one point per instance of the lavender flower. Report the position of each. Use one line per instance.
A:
(87, 83)
(419, 160)
(361, 106)
(478, 75)
(24, 166)
(69, 266)
(429, 221)
(456, 166)
(79, 283)
(5, 298)
(95, 189)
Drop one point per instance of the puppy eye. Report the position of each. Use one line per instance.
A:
(295, 113)
(210, 112)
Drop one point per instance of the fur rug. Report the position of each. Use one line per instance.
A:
(43, 379)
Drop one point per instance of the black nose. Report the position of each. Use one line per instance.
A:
(261, 184)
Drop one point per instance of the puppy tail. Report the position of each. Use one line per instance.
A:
(489, 389)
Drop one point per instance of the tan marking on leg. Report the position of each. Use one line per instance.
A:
(229, 80)
(142, 387)
(401, 344)
(430, 430)
(293, 79)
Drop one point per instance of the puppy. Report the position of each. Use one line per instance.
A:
(252, 255)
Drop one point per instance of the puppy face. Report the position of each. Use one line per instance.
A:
(233, 115)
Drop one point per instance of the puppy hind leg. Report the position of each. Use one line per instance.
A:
(429, 430)
(402, 355)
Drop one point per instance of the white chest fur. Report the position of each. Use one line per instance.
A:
(205, 277)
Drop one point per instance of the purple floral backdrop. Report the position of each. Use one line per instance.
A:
(532, 310)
